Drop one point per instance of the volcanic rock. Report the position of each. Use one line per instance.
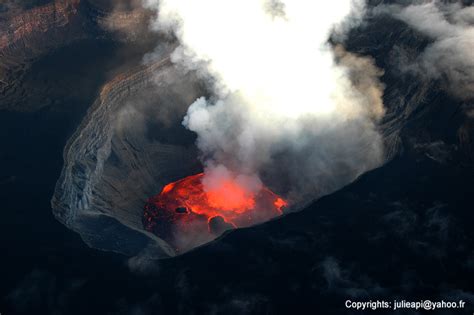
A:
(28, 33)
(217, 225)
(122, 153)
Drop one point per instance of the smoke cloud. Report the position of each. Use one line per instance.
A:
(287, 108)
(449, 58)
(128, 19)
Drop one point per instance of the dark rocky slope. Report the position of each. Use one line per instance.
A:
(402, 231)
(29, 32)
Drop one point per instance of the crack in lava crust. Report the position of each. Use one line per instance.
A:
(186, 215)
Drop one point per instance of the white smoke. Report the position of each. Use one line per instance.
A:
(286, 108)
(449, 58)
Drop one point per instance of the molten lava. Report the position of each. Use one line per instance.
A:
(185, 212)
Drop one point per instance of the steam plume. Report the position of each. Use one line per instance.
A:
(449, 58)
(286, 108)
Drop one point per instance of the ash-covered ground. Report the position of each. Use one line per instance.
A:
(402, 231)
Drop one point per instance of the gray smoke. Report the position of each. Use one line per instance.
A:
(450, 56)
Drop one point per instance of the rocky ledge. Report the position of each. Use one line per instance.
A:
(114, 162)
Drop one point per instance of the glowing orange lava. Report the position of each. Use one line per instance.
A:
(185, 208)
